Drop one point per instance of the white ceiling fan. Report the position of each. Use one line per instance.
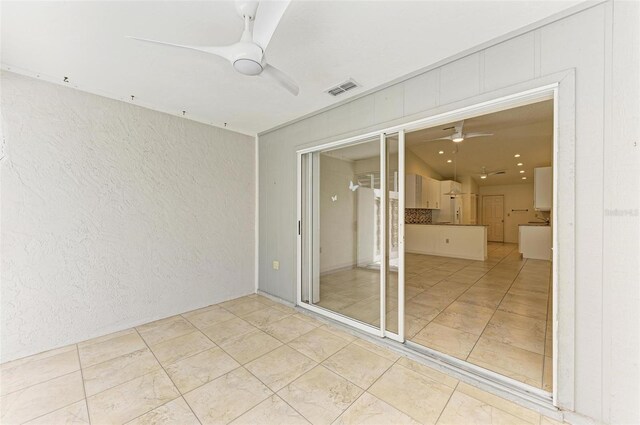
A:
(247, 55)
(484, 174)
(458, 135)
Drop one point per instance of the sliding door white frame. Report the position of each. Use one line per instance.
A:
(384, 179)
(564, 112)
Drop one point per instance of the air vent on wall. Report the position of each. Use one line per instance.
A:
(342, 88)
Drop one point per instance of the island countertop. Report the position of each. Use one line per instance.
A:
(447, 224)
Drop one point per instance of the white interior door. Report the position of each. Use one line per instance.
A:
(493, 216)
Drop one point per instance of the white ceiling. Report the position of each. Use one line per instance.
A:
(526, 130)
(319, 43)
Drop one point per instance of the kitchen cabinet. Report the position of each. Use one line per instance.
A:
(542, 188)
(422, 192)
(535, 241)
(430, 193)
(413, 191)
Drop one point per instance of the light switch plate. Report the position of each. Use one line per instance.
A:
(276, 265)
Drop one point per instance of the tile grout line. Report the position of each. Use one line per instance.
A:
(84, 389)
(61, 407)
(497, 307)
(42, 382)
(464, 292)
(134, 330)
(275, 393)
(179, 315)
(161, 405)
(161, 366)
(366, 390)
(168, 376)
(447, 403)
(332, 371)
(241, 366)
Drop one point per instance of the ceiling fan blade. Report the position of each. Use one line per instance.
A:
(267, 19)
(493, 173)
(470, 135)
(281, 78)
(440, 138)
(222, 51)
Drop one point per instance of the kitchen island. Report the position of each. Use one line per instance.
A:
(467, 241)
(535, 241)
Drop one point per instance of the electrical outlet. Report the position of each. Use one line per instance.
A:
(446, 240)
(276, 265)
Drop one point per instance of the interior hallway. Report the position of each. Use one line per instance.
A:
(245, 361)
(494, 313)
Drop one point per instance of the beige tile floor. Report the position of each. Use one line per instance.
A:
(495, 313)
(246, 361)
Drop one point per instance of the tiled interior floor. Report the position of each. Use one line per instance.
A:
(245, 361)
(495, 313)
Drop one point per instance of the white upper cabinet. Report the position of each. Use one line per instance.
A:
(434, 194)
(413, 191)
(542, 188)
(422, 192)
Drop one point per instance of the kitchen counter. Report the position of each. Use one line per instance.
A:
(535, 241)
(447, 240)
(450, 224)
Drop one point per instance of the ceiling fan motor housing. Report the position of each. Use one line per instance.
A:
(248, 60)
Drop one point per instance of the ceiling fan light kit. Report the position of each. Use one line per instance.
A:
(484, 173)
(459, 135)
(247, 56)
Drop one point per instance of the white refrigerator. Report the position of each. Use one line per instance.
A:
(451, 210)
(450, 206)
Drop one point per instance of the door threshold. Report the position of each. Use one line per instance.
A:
(525, 395)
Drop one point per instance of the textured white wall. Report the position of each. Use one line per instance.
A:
(114, 215)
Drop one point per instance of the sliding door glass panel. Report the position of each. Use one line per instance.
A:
(392, 232)
(342, 252)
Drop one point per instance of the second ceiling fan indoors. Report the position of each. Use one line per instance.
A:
(247, 56)
(458, 135)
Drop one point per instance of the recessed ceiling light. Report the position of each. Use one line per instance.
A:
(524, 178)
(441, 152)
(448, 160)
(520, 164)
(521, 171)
(516, 155)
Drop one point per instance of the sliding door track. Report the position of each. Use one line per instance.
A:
(533, 398)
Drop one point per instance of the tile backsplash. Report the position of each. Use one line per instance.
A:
(417, 216)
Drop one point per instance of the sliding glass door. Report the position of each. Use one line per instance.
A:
(349, 232)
